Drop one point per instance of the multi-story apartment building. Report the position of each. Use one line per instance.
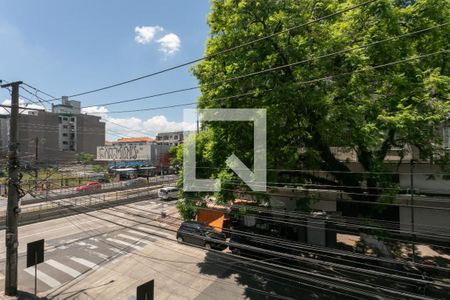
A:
(55, 135)
(170, 138)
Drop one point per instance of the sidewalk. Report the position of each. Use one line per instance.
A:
(175, 269)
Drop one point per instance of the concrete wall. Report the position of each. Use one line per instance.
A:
(290, 199)
(45, 126)
(431, 215)
(427, 179)
(90, 133)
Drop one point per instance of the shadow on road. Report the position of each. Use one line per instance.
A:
(263, 281)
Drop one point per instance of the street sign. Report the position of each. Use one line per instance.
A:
(145, 291)
(35, 253)
(35, 256)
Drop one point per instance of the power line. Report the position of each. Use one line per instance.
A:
(144, 256)
(272, 69)
(273, 239)
(223, 51)
(336, 172)
(284, 66)
(260, 250)
(152, 108)
(125, 127)
(41, 100)
(38, 90)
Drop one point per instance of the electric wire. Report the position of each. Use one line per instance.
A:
(224, 51)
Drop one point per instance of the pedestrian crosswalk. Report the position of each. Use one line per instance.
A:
(153, 231)
(47, 279)
(124, 243)
(73, 259)
(63, 268)
(135, 239)
(85, 262)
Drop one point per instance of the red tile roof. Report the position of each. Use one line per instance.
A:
(135, 140)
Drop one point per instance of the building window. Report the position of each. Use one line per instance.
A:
(65, 126)
(72, 119)
(64, 134)
(65, 119)
(65, 143)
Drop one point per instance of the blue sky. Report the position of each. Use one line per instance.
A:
(67, 47)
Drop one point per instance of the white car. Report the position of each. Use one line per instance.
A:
(168, 193)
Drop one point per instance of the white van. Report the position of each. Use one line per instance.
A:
(168, 193)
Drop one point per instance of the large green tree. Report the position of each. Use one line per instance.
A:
(362, 101)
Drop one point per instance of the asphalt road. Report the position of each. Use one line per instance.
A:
(106, 254)
(125, 242)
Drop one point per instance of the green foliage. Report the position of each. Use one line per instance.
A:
(360, 106)
(187, 209)
(85, 158)
(99, 168)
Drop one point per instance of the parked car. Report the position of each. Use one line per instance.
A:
(168, 193)
(90, 186)
(138, 182)
(196, 233)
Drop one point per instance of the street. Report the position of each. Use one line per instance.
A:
(114, 250)
(106, 253)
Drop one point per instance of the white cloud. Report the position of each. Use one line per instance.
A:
(99, 111)
(145, 34)
(161, 124)
(134, 127)
(169, 44)
(22, 103)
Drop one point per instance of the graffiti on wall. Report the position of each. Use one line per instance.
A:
(123, 152)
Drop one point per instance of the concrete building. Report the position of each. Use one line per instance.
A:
(170, 138)
(139, 156)
(56, 135)
(134, 141)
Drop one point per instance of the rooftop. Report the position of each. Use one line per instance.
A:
(136, 140)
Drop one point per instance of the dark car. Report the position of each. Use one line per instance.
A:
(196, 233)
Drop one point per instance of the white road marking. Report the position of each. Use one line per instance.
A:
(85, 262)
(51, 282)
(118, 251)
(134, 238)
(63, 268)
(124, 243)
(101, 255)
(152, 231)
(89, 246)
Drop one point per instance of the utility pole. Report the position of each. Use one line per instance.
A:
(36, 157)
(13, 195)
(412, 209)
